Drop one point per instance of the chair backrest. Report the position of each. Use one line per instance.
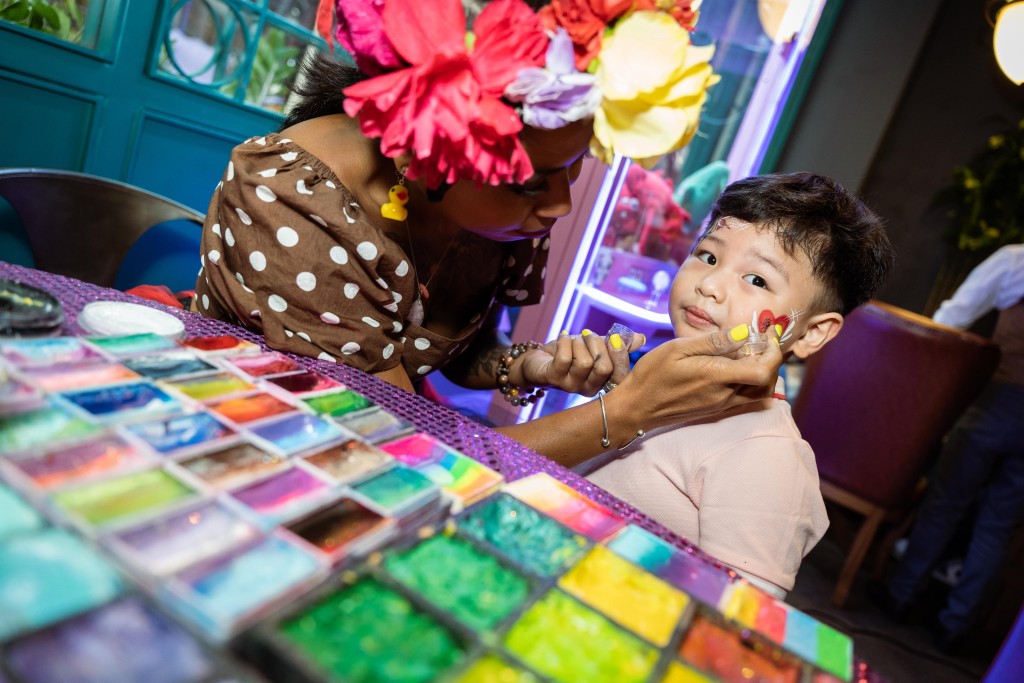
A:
(876, 402)
(82, 225)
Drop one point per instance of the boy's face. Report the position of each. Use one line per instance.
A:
(737, 272)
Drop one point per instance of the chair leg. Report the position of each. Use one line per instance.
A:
(885, 547)
(853, 561)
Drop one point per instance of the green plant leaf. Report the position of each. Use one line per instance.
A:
(17, 12)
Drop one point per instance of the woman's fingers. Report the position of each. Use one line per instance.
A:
(618, 352)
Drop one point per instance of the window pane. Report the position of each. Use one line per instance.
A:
(299, 12)
(75, 21)
(206, 44)
(278, 55)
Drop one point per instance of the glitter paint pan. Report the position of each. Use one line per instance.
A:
(227, 593)
(186, 537)
(568, 506)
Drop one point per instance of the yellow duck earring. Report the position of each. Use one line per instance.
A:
(398, 197)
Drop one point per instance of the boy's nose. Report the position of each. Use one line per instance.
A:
(710, 288)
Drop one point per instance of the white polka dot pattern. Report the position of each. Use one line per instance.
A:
(287, 237)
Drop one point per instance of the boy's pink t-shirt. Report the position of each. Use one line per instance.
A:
(742, 486)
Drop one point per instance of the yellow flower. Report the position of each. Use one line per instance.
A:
(654, 83)
(996, 141)
(971, 183)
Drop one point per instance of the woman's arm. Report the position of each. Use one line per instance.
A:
(679, 380)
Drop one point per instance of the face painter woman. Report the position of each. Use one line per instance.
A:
(409, 197)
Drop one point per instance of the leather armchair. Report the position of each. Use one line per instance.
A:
(875, 404)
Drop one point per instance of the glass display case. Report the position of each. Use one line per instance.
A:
(643, 222)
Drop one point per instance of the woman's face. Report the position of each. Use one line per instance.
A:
(505, 213)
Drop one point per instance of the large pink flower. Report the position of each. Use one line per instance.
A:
(445, 109)
(359, 30)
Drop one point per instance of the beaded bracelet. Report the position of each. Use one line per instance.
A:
(513, 394)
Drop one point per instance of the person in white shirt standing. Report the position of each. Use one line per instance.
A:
(982, 461)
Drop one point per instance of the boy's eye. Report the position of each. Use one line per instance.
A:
(756, 280)
(707, 257)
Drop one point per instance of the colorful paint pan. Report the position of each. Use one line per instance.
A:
(343, 529)
(417, 449)
(492, 668)
(17, 396)
(126, 640)
(306, 382)
(351, 461)
(528, 538)
(121, 498)
(121, 402)
(298, 432)
(818, 643)
(696, 577)
(338, 403)
(398, 490)
(50, 575)
(222, 594)
(568, 642)
(221, 344)
(458, 578)
(79, 375)
(171, 543)
(86, 460)
(568, 506)
(285, 495)
(756, 609)
(211, 387)
(34, 353)
(47, 425)
(376, 425)
(730, 657)
(167, 365)
(16, 517)
(133, 344)
(463, 478)
(251, 408)
(179, 432)
(680, 673)
(233, 465)
(368, 633)
(638, 600)
(265, 364)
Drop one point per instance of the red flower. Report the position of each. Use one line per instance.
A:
(445, 109)
(585, 20)
(680, 10)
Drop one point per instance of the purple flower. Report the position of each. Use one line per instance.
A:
(557, 94)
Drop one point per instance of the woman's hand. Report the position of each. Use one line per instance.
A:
(684, 379)
(580, 364)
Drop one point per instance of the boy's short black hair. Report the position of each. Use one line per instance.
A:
(845, 242)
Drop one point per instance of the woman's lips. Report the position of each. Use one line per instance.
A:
(697, 317)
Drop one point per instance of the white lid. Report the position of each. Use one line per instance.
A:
(117, 318)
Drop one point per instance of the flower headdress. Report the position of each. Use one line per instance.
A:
(456, 101)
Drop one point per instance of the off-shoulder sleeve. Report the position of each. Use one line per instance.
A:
(288, 252)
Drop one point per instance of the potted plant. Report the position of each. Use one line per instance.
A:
(986, 208)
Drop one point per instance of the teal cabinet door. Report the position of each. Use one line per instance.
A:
(150, 92)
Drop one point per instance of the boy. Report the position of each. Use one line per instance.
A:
(796, 252)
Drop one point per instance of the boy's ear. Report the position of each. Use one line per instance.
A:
(821, 329)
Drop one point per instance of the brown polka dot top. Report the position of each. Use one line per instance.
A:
(287, 251)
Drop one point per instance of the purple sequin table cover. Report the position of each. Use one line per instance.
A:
(505, 455)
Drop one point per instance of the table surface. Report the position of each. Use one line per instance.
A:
(505, 455)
